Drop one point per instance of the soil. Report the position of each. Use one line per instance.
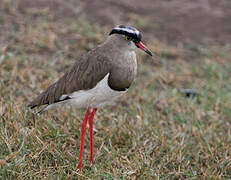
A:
(171, 21)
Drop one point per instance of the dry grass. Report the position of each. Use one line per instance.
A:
(153, 132)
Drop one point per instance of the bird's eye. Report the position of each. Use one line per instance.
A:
(128, 38)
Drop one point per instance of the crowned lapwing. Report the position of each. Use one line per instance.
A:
(96, 79)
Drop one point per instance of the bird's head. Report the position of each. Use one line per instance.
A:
(131, 36)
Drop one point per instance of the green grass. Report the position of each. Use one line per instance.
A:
(153, 131)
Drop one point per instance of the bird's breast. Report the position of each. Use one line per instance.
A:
(123, 72)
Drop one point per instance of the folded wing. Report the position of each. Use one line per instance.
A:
(84, 75)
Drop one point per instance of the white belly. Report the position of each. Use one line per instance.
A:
(100, 95)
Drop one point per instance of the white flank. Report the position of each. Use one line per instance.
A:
(100, 95)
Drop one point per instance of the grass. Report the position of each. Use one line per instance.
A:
(153, 132)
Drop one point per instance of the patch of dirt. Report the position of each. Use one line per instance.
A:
(171, 21)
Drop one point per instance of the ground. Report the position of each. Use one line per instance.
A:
(154, 131)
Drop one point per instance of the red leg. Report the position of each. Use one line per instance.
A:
(91, 121)
(83, 130)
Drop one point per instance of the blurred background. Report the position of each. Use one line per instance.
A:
(154, 131)
(171, 21)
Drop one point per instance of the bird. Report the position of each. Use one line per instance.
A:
(96, 79)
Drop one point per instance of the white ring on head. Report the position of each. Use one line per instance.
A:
(127, 30)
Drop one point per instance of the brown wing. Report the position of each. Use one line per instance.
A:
(85, 74)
